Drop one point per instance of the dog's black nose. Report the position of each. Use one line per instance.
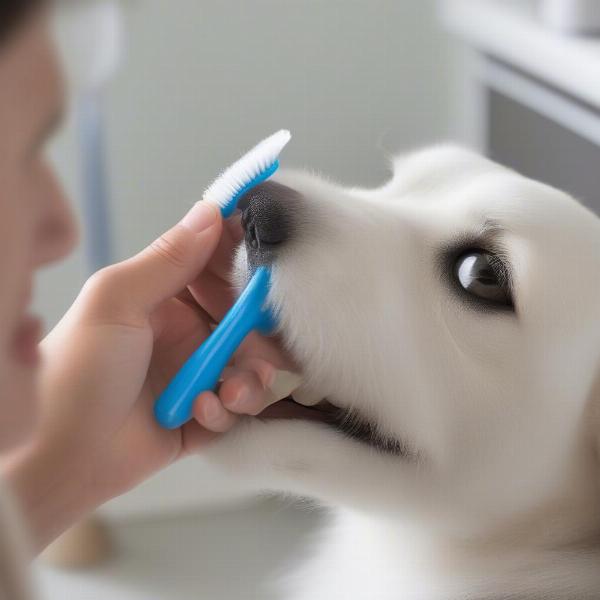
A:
(267, 217)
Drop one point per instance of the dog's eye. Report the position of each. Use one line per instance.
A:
(482, 274)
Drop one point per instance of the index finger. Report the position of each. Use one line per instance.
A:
(212, 289)
(221, 262)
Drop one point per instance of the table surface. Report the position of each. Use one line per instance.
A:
(230, 555)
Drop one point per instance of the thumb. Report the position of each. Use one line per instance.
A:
(138, 285)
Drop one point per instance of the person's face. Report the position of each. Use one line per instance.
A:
(36, 226)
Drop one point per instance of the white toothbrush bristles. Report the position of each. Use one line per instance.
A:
(243, 172)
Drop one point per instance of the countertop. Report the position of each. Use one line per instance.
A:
(511, 31)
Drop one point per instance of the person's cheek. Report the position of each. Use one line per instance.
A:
(17, 385)
(56, 230)
(20, 408)
(14, 242)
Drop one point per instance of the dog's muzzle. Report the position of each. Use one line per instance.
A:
(268, 220)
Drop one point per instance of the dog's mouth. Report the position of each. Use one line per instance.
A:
(347, 422)
(344, 421)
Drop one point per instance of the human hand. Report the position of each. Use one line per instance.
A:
(127, 334)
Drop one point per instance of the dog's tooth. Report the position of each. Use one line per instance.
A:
(307, 397)
(284, 383)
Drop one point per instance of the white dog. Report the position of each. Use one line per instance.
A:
(451, 321)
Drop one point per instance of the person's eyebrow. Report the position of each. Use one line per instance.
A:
(47, 129)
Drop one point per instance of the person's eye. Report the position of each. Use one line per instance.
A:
(484, 277)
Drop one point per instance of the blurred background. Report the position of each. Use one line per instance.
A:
(191, 85)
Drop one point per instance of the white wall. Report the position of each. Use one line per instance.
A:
(354, 80)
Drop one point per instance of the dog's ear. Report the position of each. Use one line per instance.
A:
(412, 170)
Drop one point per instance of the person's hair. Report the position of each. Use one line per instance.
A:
(13, 13)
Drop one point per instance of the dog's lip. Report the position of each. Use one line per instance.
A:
(288, 408)
(341, 420)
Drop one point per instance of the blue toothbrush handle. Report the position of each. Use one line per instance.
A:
(202, 370)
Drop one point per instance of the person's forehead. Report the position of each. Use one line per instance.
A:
(31, 88)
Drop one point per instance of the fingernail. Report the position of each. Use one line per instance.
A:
(241, 400)
(201, 216)
(212, 410)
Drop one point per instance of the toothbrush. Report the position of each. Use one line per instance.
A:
(201, 372)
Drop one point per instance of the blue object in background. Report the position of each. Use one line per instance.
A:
(94, 178)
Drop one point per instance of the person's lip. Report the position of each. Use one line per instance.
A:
(25, 342)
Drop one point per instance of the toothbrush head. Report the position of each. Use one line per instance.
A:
(253, 168)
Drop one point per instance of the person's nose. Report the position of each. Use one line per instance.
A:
(56, 233)
(268, 218)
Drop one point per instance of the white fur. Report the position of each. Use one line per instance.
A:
(501, 498)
